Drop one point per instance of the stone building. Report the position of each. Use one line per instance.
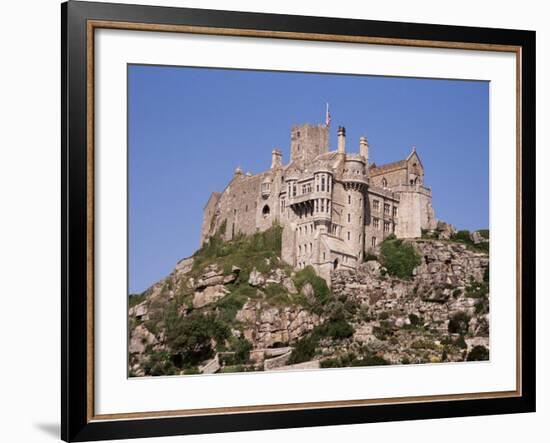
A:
(334, 206)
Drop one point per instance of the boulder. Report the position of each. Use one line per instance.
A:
(139, 339)
(256, 278)
(184, 266)
(208, 295)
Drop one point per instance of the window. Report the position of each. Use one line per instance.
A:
(360, 236)
(294, 190)
(349, 217)
(349, 199)
(349, 235)
(324, 256)
(373, 242)
(395, 211)
(376, 223)
(384, 183)
(322, 183)
(283, 205)
(386, 226)
(299, 249)
(266, 211)
(386, 209)
(376, 205)
(310, 247)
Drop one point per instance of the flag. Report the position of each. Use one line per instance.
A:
(327, 117)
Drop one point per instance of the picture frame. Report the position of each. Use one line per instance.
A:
(80, 21)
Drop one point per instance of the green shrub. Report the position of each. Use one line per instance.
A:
(398, 257)
(276, 294)
(190, 337)
(371, 257)
(241, 348)
(458, 324)
(135, 299)
(484, 233)
(415, 320)
(350, 359)
(228, 306)
(478, 353)
(308, 275)
(337, 329)
(462, 236)
(158, 363)
(247, 252)
(304, 350)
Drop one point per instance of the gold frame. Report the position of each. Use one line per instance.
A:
(98, 24)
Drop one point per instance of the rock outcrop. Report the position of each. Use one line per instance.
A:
(269, 317)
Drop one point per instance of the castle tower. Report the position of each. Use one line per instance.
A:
(355, 184)
(307, 142)
(341, 140)
(276, 159)
(364, 148)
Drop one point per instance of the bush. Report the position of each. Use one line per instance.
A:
(415, 320)
(247, 252)
(241, 348)
(464, 237)
(458, 324)
(308, 275)
(398, 257)
(159, 363)
(191, 336)
(478, 353)
(371, 257)
(135, 299)
(304, 350)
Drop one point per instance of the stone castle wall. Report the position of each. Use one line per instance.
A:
(331, 214)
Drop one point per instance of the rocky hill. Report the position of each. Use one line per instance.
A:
(237, 307)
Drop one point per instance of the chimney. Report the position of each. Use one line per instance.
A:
(364, 148)
(341, 140)
(276, 159)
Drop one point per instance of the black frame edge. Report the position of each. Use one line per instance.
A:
(74, 425)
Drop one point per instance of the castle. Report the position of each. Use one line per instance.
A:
(334, 206)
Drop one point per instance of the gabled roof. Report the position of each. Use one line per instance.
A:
(388, 167)
(414, 153)
(394, 166)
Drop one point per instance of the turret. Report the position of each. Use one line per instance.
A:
(276, 159)
(341, 140)
(364, 148)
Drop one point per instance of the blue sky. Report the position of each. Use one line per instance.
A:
(189, 128)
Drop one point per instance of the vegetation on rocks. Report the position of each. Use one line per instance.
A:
(398, 257)
(236, 307)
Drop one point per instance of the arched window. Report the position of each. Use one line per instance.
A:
(335, 264)
(266, 211)
(384, 183)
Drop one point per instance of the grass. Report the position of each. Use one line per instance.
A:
(258, 251)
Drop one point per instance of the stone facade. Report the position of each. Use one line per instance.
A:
(334, 206)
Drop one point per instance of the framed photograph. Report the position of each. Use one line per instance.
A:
(277, 221)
